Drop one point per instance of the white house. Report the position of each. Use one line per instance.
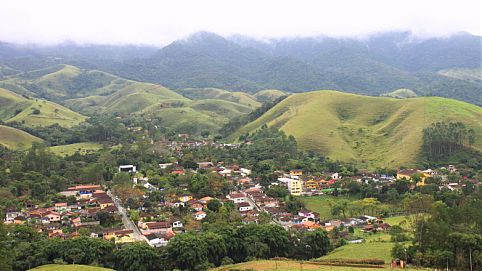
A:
(336, 176)
(158, 240)
(127, 168)
(236, 197)
(10, 216)
(177, 224)
(244, 206)
(200, 215)
(245, 172)
(165, 165)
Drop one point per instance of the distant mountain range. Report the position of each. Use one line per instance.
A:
(377, 64)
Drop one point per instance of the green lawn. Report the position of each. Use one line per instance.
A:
(320, 204)
(69, 267)
(376, 245)
(268, 265)
(369, 249)
(70, 149)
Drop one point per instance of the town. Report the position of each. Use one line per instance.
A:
(137, 212)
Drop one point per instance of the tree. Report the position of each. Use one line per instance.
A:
(316, 243)
(294, 205)
(340, 207)
(214, 205)
(277, 191)
(137, 257)
(5, 253)
(74, 255)
(187, 252)
(121, 178)
(216, 247)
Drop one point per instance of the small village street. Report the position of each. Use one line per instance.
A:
(128, 224)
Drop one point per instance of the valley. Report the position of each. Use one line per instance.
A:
(236, 153)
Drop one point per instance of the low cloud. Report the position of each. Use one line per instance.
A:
(161, 22)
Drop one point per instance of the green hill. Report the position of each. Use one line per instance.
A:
(401, 93)
(65, 81)
(35, 112)
(216, 93)
(16, 139)
(130, 98)
(268, 95)
(68, 267)
(375, 131)
(196, 116)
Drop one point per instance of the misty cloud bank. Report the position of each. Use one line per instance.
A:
(161, 22)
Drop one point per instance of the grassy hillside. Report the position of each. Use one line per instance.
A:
(216, 93)
(64, 81)
(375, 131)
(69, 267)
(196, 116)
(16, 139)
(35, 112)
(84, 147)
(129, 98)
(268, 95)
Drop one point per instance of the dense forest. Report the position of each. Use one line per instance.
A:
(444, 139)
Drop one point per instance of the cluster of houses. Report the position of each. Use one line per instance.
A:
(157, 226)
(64, 220)
(187, 143)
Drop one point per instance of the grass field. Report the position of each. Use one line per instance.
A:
(375, 246)
(83, 148)
(321, 204)
(371, 131)
(69, 267)
(16, 139)
(221, 94)
(270, 265)
(14, 107)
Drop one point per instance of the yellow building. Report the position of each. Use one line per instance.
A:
(311, 184)
(296, 172)
(120, 236)
(295, 187)
(408, 173)
(185, 198)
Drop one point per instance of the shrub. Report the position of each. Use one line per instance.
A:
(226, 261)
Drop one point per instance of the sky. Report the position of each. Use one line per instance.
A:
(161, 22)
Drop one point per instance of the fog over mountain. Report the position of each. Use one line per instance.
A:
(162, 22)
(375, 65)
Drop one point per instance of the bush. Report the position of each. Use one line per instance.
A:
(59, 261)
(226, 261)
(35, 111)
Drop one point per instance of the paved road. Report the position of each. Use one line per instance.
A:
(128, 224)
(250, 201)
